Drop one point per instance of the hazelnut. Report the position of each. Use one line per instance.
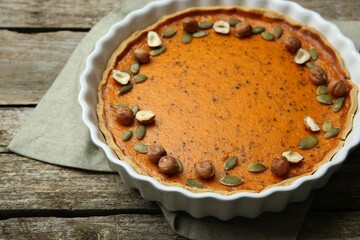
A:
(292, 44)
(155, 152)
(142, 56)
(337, 88)
(243, 29)
(145, 116)
(124, 115)
(168, 165)
(318, 76)
(280, 166)
(190, 25)
(205, 169)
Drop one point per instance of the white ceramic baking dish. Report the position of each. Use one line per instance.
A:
(212, 204)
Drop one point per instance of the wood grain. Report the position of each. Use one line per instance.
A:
(29, 63)
(83, 14)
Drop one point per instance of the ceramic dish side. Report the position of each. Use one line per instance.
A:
(244, 204)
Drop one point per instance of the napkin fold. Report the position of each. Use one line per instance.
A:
(55, 133)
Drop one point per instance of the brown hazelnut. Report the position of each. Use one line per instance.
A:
(337, 88)
(168, 165)
(292, 44)
(205, 169)
(190, 25)
(243, 29)
(155, 152)
(124, 115)
(318, 76)
(141, 55)
(280, 166)
(145, 116)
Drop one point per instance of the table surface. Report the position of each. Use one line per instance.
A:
(39, 200)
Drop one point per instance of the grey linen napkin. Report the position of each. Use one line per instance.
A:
(54, 133)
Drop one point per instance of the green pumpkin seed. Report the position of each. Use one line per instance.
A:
(200, 34)
(157, 51)
(257, 30)
(119, 105)
(127, 135)
(231, 181)
(140, 131)
(308, 142)
(256, 167)
(135, 67)
(310, 65)
(230, 163)
(186, 38)
(141, 148)
(322, 90)
(338, 104)
(267, 36)
(135, 109)
(325, 99)
(332, 133)
(277, 31)
(125, 89)
(192, 182)
(313, 54)
(327, 125)
(233, 21)
(140, 78)
(181, 166)
(205, 25)
(167, 33)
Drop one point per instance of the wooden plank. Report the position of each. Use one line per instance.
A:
(29, 63)
(29, 185)
(340, 225)
(84, 14)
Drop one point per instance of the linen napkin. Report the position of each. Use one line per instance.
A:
(54, 133)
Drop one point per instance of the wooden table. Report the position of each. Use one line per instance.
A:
(43, 201)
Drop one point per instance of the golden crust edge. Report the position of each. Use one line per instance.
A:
(265, 12)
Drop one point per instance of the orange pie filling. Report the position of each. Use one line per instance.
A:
(226, 100)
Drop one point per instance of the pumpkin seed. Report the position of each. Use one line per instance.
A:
(338, 104)
(257, 30)
(310, 65)
(135, 109)
(186, 38)
(127, 135)
(135, 67)
(167, 33)
(308, 142)
(332, 133)
(125, 89)
(140, 131)
(205, 25)
(119, 105)
(158, 51)
(292, 156)
(313, 54)
(277, 31)
(325, 99)
(233, 21)
(230, 163)
(181, 166)
(140, 78)
(322, 90)
(141, 148)
(327, 125)
(267, 36)
(231, 181)
(192, 182)
(256, 167)
(200, 34)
